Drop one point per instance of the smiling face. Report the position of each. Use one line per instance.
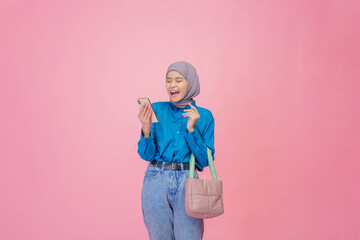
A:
(176, 86)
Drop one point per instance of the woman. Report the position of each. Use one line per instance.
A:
(183, 128)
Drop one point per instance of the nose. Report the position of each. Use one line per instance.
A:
(173, 83)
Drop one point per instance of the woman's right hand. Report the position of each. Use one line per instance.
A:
(145, 119)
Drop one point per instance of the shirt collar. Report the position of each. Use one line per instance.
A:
(175, 108)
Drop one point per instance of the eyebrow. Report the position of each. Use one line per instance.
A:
(175, 78)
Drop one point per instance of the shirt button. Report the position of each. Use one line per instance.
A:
(177, 132)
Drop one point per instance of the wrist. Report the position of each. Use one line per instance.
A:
(145, 134)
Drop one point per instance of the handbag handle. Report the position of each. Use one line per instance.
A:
(211, 165)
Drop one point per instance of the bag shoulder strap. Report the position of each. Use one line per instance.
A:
(211, 165)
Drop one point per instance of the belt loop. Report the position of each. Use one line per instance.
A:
(162, 166)
(182, 167)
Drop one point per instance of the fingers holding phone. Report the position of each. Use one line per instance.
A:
(145, 114)
(145, 119)
(146, 101)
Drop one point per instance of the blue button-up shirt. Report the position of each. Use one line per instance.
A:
(170, 141)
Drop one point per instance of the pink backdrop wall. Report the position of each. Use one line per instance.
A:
(282, 81)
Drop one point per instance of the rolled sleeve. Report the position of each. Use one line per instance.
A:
(198, 143)
(146, 146)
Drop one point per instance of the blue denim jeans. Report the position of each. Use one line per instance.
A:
(163, 206)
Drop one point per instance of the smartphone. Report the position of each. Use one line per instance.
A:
(144, 100)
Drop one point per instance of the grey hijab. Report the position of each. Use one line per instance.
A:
(193, 86)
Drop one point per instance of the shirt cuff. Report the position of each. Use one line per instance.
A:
(194, 137)
(144, 139)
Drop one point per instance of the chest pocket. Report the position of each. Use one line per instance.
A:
(161, 131)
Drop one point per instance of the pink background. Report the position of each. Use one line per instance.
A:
(280, 77)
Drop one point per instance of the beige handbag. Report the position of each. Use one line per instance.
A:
(203, 198)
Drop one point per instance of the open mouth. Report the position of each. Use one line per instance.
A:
(174, 93)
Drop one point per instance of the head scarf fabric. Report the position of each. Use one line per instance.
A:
(188, 71)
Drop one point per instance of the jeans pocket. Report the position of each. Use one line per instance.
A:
(151, 172)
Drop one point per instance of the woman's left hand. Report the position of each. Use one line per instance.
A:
(193, 115)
